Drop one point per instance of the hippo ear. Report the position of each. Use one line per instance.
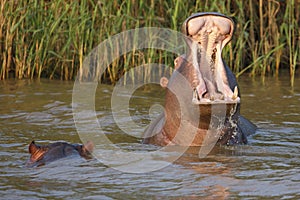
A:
(89, 146)
(33, 148)
(164, 82)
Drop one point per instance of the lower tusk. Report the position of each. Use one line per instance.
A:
(196, 97)
(235, 93)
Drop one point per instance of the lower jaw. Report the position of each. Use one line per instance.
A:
(223, 99)
(217, 101)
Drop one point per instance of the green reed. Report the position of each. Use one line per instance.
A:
(50, 39)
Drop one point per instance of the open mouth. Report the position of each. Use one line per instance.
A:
(207, 34)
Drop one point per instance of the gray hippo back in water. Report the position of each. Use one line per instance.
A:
(41, 155)
(202, 95)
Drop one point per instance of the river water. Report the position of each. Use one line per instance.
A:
(267, 168)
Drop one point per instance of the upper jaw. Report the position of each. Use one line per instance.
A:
(207, 34)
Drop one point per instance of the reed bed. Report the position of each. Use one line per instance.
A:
(50, 39)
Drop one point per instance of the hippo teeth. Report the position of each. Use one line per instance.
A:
(235, 93)
(196, 97)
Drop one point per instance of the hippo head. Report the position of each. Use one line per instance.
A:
(202, 101)
(41, 155)
(207, 34)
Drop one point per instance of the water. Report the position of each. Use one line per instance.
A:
(41, 110)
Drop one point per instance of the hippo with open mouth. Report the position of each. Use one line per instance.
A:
(202, 96)
(41, 155)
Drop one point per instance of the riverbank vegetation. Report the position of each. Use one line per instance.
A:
(50, 39)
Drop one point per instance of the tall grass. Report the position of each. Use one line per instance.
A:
(42, 38)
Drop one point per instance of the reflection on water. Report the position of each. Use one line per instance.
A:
(42, 110)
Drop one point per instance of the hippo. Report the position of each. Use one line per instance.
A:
(41, 155)
(202, 95)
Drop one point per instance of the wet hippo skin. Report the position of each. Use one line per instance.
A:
(202, 95)
(41, 155)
